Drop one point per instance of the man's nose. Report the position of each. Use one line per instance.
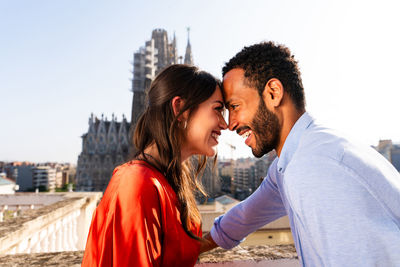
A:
(232, 123)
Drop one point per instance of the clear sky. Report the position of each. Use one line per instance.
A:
(62, 60)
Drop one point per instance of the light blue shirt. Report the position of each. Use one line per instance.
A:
(342, 199)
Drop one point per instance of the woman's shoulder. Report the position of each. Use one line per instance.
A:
(138, 167)
(137, 181)
(135, 173)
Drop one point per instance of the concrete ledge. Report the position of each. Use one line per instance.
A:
(14, 230)
(249, 263)
(60, 259)
(280, 256)
(250, 253)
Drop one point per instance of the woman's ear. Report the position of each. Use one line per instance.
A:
(177, 104)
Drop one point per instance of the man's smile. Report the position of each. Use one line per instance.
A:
(246, 133)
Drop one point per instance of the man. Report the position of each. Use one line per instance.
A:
(342, 199)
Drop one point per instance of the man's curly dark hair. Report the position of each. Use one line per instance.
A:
(267, 60)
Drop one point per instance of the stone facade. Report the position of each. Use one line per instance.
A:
(104, 146)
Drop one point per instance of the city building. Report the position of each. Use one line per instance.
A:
(225, 170)
(22, 173)
(10, 169)
(19, 172)
(44, 177)
(209, 180)
(65, 174)
(25, 178)
(247, 175)
(243, 178)
(390, 151)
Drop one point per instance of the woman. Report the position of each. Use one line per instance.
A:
(148, 215)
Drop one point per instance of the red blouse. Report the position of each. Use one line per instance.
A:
(137, 222)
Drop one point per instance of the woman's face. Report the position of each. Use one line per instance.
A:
(204, 127)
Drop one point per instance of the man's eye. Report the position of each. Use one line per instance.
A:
(233, 107)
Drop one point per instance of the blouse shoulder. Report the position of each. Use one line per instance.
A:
(135, 177)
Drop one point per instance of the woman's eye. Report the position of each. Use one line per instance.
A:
(220, 109)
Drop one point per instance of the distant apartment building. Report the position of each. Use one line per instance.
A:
(19, 172)
(248, 173)
(225, 170)
(390, 151)
(58, 178)
(25, 177)
(44, 177)
(210, 180)
(10, 169)
(22, 173)
(65, 174)
(243, 178)
(69, 175)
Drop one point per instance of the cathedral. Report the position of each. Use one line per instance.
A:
(107, 144)
(157, 54)
(104, 146)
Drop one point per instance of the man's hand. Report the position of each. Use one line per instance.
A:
(207, 243)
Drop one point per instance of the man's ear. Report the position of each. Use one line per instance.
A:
(273, 92)
(177, 104)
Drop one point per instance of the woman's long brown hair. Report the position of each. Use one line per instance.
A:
(160, 126)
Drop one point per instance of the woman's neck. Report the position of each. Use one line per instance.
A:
(152, 151)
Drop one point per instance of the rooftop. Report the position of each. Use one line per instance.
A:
(31, 199)
(225, 200)
(5, 181)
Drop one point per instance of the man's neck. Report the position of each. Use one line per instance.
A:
(290, 117)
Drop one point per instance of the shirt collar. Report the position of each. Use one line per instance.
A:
(292, 141)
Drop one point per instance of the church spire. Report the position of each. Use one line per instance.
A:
(188, 55)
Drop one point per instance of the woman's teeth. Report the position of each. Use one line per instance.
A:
(215, 135)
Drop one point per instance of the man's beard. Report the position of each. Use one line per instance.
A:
(266, 130)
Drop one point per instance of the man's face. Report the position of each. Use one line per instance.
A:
(248, 114)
